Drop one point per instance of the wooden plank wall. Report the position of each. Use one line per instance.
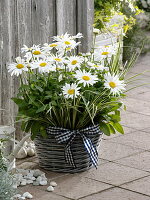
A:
(35, 22)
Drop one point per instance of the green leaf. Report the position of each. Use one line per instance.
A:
(35, 129)
(43, 133)
(39, 88)
(20, 102)
(41, 109)
(28, 126)
(118, 127)
(112, 130)
(105, 128)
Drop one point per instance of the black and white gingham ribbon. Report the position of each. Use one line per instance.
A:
(66, 135)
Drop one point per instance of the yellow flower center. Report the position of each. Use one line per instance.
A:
(67, 42)
(74, 62)
(96, 66)
(105, 53)
(68, 49)
(86, 78)
(36, 52)
(71, 91)
(43, 64)
(112, 84)
(20, 66)
(58, 59)
(106, 46)
(53, 45)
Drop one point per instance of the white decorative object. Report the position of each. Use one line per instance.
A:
(50, 189)
(53, 183)
(22, 153)
(30, 151)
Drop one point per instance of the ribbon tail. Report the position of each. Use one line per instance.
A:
(68, 153)
(91, 150)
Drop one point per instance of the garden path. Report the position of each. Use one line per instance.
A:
(124, 166)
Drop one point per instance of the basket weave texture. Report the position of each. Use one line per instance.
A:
(51, 153)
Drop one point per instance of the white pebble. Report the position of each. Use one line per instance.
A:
(43, 182)
(27, 195)
(23, 182)
(17, 196)
(29, 181)
(50, 189)
(37, 173)
(53, 183)
(21, 198)
(35, 183)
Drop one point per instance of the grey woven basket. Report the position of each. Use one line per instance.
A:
(52, 157)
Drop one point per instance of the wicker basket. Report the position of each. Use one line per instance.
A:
(52, 157)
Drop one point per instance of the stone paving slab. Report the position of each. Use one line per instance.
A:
(141, 185)
(117, 194)
(138, 139)
(40, 193)
(113, 151)
(146, 130)
(139, 161)
(135, 120)
(140, 106)
(77, 186)
(115, 174)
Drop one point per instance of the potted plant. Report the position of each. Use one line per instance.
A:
(67, 100)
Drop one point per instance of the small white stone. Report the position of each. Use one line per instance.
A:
(27, 195)
(23, 182)
(39, 178)
(29, 181)
(43, 182)
(50, 189)
(22, 153)
(43, 176)
(53, 183)
(37, 173)
(15, 186)
(33, 178)
(35, 183)
(17, 196)
(21, 198)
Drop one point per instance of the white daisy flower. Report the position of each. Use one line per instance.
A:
(113, 83)
(79, 35)
(28, 56)
(86, 77)
(56, 59)
(25, 49)
(49, 47)
(43, 66)
(37, 52)
(73, 62)
(97, 66)
(71, 91)
(66, 41)
(18, 67)
(104, 52)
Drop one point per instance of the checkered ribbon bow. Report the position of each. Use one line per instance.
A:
(66, 135)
